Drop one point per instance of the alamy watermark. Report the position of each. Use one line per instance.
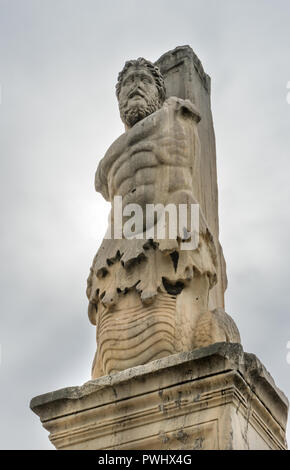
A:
(288, 353)
(155, 221)
(288, 94)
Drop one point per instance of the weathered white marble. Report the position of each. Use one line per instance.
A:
(216, 397)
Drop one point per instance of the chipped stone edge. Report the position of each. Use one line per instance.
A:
(247, 364)
(187, 51)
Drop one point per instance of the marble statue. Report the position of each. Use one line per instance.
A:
(169, 372)
(149, 295)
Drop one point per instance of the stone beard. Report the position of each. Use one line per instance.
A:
(134, 113)
(148, 298)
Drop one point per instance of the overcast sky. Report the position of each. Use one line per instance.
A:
(59, 60)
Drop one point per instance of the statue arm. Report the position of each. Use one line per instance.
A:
(101, 182)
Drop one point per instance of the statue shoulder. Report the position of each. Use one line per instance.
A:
(184, 107)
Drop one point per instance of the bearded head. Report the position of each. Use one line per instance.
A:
(140, 90)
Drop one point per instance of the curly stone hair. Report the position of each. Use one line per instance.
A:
(153, 69)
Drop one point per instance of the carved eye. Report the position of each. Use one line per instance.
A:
(146, 80)
(129, 80)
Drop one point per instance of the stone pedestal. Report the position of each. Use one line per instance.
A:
(216, 397)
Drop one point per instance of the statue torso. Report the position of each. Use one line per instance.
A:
(153, 160)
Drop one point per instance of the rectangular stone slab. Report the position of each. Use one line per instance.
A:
(216, 397)
(185, 77)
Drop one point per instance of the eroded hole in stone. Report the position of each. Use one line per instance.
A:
(117, 257)
(141, 258)
(172, 289)
(186, 112)
(133, 262)
(102, 273)
(124, 292)
(150, 244)
(175, 257)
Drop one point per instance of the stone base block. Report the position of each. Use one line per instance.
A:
(216, 397)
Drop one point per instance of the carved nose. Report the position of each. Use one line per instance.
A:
(136, 89)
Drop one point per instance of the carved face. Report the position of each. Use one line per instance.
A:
(138, 96)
